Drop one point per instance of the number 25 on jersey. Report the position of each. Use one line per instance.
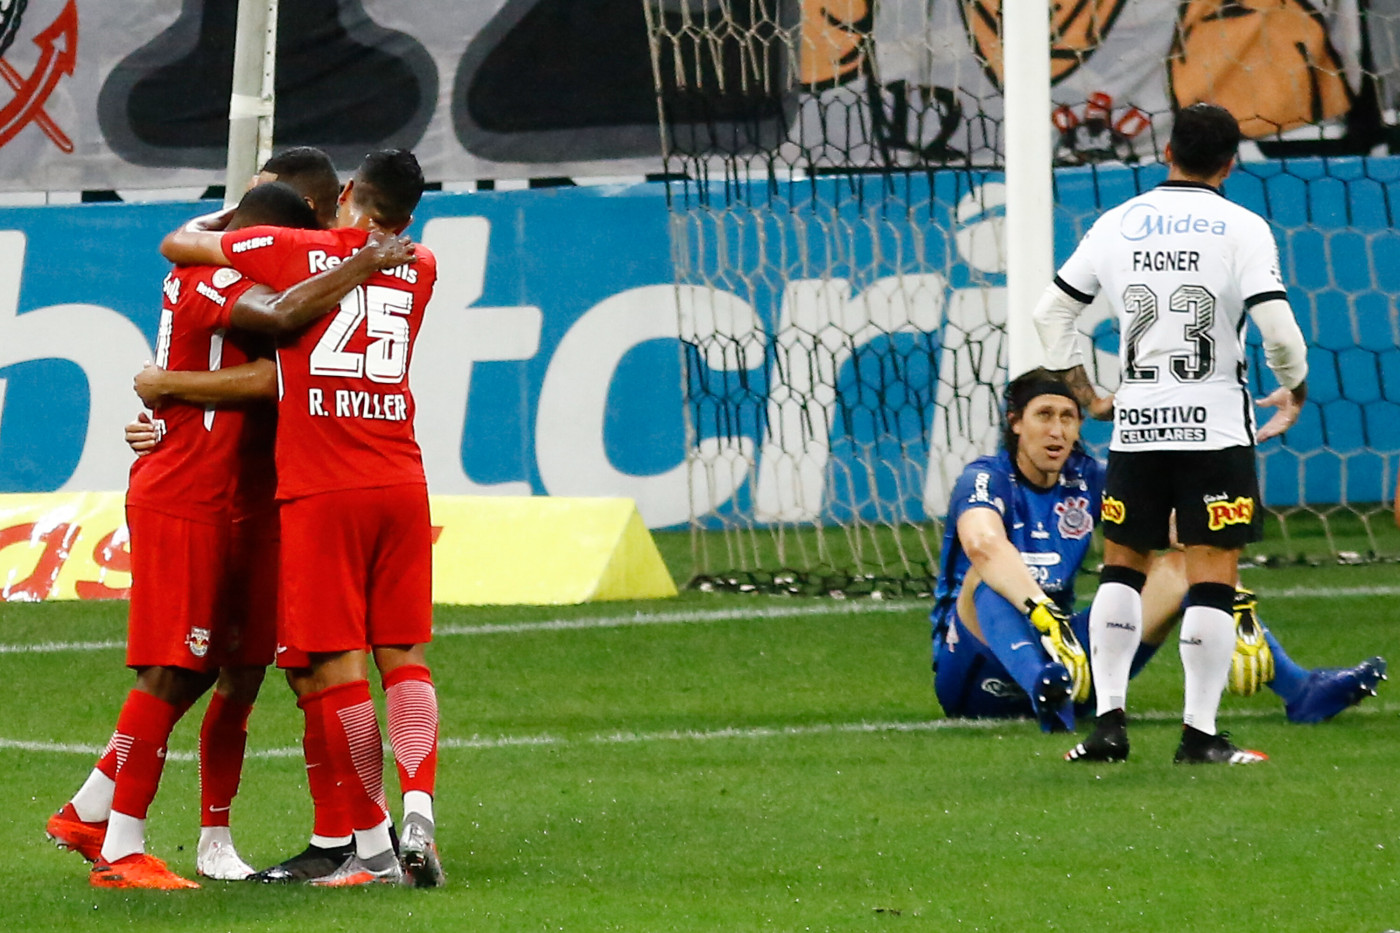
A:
(385, 358)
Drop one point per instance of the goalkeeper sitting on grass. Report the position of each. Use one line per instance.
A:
(1006, 640)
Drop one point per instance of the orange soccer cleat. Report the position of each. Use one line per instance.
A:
(137, 870)
(69, 832)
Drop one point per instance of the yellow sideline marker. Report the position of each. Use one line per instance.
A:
(543, 550)
(530, 550)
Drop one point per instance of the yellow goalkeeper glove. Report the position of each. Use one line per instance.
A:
(1252, 664)
(1059, 639)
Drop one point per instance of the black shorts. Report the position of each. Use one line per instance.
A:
(1215, 494)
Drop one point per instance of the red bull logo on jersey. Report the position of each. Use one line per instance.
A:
(1113, 510)
(1233, 512)
(198, 641)
(1075, 521)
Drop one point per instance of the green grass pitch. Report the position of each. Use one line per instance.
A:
(721, 762)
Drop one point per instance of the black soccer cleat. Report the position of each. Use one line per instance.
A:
(1108, 742)
(311, 862)
(1202, 748)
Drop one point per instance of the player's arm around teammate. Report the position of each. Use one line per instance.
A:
(262, 310)
(349, 470)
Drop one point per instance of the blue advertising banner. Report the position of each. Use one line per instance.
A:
(551, 360)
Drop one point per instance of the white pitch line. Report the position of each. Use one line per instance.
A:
(751, 733)
(701, 617)
(1328, 592)
(698, 616)
(46, 647)
(566, 625)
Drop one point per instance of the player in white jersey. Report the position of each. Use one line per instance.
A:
(1181, 267)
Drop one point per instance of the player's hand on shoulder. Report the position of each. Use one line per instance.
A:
(1288, 406)
(142, 435)
(149, 386)
(389, 249)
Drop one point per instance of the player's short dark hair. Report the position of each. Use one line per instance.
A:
(388, 186)
(274, 203)
(1204, 139)
(311, 172)
(1019, 393)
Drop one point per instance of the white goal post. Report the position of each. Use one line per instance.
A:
(253, 102)
(1030, 224)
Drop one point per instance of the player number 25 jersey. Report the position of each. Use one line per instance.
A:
(1180, 266)
(345, 412)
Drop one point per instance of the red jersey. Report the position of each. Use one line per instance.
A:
(345, 413)
(211, 463)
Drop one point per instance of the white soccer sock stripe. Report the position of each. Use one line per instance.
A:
(93, 801)
(330, 842)
(1207, 643)
(371, 842)
(416, 801)
(1115, 630)
(126, 835)
(208, 835)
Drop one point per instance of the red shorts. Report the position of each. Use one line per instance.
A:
(177, 568)
(356, 570)
(247, 619)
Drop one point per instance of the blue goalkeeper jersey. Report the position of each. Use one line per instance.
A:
(1050, 527)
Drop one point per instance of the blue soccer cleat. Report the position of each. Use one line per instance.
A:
(1330, 690)
(1050, 698)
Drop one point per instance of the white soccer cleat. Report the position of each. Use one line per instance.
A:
(219, 860)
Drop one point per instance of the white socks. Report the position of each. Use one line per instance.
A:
(1207, 644)
(420, 802)
(126, 835)
(1115, 630)
(93, 801)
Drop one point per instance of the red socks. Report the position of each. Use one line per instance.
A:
(143, 728)
(411, 705)
(331, 816)
(223, 738)
(355, 751)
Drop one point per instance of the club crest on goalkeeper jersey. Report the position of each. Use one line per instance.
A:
(345, 412)
(1051, 527)
(1180, 266)
(210, 462)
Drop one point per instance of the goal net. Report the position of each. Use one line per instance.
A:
(834, 174)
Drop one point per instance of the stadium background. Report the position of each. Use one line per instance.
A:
(715, 761)
(554, 367)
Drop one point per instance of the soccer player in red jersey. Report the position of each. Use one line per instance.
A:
(310, 172)
(180, 505)
(356, 537)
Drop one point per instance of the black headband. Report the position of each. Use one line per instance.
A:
(1041, 387)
